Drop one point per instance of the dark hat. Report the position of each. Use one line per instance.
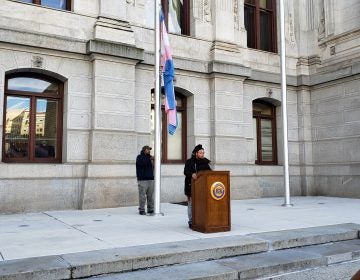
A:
(197, 148)
(146, 148)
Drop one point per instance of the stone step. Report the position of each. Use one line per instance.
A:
(87, 264)
(339, 260)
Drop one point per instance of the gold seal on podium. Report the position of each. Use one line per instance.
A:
(217, 190)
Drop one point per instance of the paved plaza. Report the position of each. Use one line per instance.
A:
(71, 231)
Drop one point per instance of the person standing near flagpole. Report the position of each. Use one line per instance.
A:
(196, 163)
(145, 178)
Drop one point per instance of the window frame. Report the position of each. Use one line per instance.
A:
(255, 28)
(33, 96)
(68, 5)
(258, 117)
(164, 130)
(185, 24)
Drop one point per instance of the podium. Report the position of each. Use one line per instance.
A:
(210, 194)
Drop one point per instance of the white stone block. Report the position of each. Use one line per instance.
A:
(79, 120)
(77, 146)
(113, 147)
(79, 102)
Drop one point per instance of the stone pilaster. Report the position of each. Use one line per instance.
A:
(305, 142)
(229, 133)
(112, 143)
(223, 20)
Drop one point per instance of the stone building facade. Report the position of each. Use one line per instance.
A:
(99, 54)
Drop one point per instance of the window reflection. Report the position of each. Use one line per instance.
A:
(266, 140)
(58, 4)
(175, 15)
(17, 127)
(32, 85)
(255, 138)
(45, 130)
(174, 142)
(32, 119)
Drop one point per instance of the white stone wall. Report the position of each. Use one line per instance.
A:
(335, 110)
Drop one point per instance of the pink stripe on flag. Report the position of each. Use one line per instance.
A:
(167, 66)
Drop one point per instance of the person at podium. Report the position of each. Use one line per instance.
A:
(196, 163)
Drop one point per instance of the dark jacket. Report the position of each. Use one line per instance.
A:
(193, 165)
(144, 167)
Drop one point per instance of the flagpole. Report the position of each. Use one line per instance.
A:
(284, 106)
(157, 148)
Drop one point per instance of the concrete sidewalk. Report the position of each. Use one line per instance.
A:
(63, 232)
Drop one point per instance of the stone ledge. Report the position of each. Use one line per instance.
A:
(285, 239)
(147, 256)
(114, 49)
(51, 267)
(229, 68)
(40, 40)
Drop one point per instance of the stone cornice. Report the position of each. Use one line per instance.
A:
(39, 40)
(114, 49)
(204, 67)
(113, 23)
(346, 36)
(308, 80)
(229, 68)
(226, 68)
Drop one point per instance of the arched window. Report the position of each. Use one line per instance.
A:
(57, 4)
(33, 109)
(264, 116)
(177, 15)
(173, 146)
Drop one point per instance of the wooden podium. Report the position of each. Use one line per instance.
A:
(211, 201)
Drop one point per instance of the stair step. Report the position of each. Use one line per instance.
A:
(312, 261)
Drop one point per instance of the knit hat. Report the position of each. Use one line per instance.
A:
(197, 148)
(146, 148)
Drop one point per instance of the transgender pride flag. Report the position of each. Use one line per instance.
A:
(167, 66)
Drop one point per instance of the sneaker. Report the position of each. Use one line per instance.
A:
(190, 225)
(142, 212)
(151, 212)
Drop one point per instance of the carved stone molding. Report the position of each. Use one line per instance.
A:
(291, 26)
(37, 61)
(236, 14)
(207, 10)
(113, 23)
(225, 5)
(309, 60)
(115, 30)
(310, 14)
(223, 46)
(114, 49)
(321, 26)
